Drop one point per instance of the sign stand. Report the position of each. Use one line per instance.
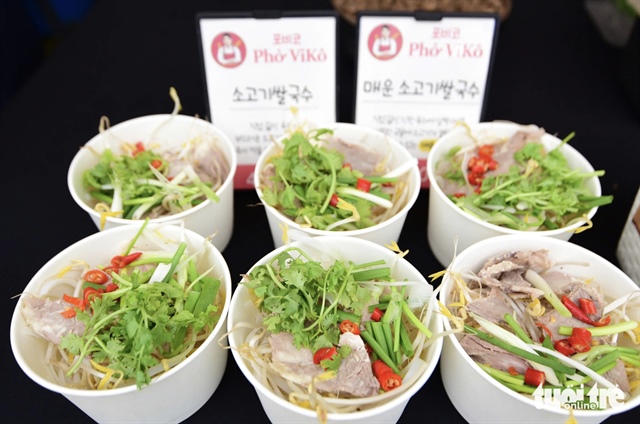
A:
(263, 72)
(419, 74)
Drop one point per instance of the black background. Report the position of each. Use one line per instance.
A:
(552, 68)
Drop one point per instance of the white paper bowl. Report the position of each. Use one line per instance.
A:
(280, 410)
(446, 221)
(476, 395)
(382, 233)
(170, 398)
(207, 218)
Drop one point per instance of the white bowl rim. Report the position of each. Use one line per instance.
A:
(413, 175)
(233, 164)
(553, 242)
(66, 391)
(394, 402)
(567, 148)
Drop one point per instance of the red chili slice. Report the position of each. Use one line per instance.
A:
(324, 353)
(580, 339)
(363, 185)
(334, 200)
(75, 301)
(122, 261)
(533, 377)
(376, 314)
(563, 346)
(347, 326)
(587, 306)
(96, 276)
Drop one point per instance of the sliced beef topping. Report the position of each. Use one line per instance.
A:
(354, 377)
(503, 153)
(494, 356)
(492, 307)
(44, 317)
(618, 376)
(557, 280)
(360, 157)
(506, 272)
(206, 158)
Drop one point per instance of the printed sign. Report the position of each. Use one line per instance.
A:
(264, 75)
(416, 78)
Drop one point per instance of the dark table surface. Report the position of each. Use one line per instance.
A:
(552, 68)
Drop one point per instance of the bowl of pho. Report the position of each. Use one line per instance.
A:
(543, 331)
(496, 178)
(126, 323)
(334, 329)
(161, 167)
(339, 178)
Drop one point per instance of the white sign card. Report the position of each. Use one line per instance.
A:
(263, 74)
(417, 77)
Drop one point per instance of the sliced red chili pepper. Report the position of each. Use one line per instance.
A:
(486, 150)
(156, 163)
(575, 310)
(475, 179)
(480, 168)
(111, 287)
(96, 276)
(389, 381)
(580, 339)
(493, 165)
(110, 269)
(563, 346)
(90, 294)
(139, 147)
(385, 375)
(379, 367)
(363, 185)
(472, 162)
(376, 314)
(347, 326)
(587, 306)
(458, 195)
(334, 200)
(75, 301)
(602, 322)
(122, 261)
(545, 329)
(512, 371)
(324, 353)
(68, 313)
(533, 377)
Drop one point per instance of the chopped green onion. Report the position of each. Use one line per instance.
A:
(607, 330)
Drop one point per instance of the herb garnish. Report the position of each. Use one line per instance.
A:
(539, 192)
(313, 186)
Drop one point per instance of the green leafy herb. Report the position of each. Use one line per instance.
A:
(307, 176)
(134, 184)
(299, 296)
(128, 329)
(538, 192)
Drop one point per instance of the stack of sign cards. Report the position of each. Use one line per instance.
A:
(417, 75)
